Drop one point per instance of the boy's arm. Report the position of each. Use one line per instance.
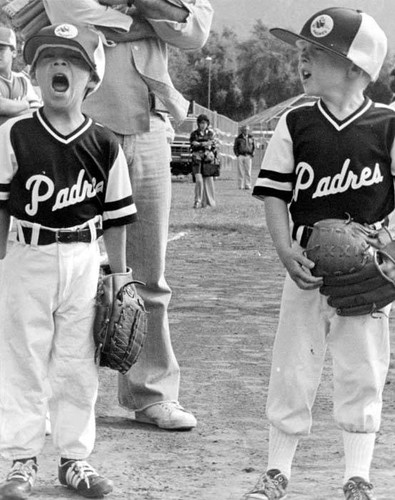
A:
(115, 242)
(11, 107)
(297, 265)
(4, 229)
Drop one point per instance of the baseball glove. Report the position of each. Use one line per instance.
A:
(357, 264)
(120, 324)
(339, 247)
(365, 291)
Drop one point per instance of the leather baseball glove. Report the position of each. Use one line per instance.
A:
(120, 324)
(338, 246)
(357, 264)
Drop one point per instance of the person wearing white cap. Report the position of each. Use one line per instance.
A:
(17, 94)
(330, 159)
(64, 179)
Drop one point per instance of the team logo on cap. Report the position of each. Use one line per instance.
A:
(66, 31)
(321, 26)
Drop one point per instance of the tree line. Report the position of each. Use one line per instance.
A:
(248, 76)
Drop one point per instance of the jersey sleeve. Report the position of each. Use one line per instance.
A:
(8, 165)
(276, 175)
(119, 207)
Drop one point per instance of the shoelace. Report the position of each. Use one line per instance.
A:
(22, 471)
(169, 406)
(267, 484)
(79, 471)
(358, 487)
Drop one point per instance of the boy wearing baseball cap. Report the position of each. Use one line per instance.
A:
(332, 158)
(17, 95)
(65, 181)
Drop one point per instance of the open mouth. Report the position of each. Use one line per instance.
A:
(60, 82)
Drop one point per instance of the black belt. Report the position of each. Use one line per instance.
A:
(46, 237)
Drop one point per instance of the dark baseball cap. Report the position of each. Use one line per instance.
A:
(7, 37)
(348, 33)
(81, 39)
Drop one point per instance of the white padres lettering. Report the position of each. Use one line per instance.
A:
(42, 188)
(339, 183)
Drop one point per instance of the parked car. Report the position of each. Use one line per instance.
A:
(180, 157)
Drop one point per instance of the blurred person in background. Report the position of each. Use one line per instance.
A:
(244, 147)
(204, 154)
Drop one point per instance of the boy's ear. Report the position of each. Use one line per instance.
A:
(355, 71)
(32, 74)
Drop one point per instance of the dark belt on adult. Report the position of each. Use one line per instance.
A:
(47, 237)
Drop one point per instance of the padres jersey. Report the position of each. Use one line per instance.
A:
(63, 181)
(326, 168)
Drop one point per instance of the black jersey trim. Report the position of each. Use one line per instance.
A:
(276, 176)
(112, 206)
(261, 192)
(64, 139)
(122, 221)
(340, 125)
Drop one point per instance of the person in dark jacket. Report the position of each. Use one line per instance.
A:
(203, 147)
(244, 148)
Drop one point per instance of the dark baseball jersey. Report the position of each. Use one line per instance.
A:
(63, 181)
(329, 168)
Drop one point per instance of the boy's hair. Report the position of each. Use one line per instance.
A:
(7, 37)
(81, 39)
(203, 118)
(348, 33)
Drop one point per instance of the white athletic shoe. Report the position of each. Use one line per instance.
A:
(168, 415)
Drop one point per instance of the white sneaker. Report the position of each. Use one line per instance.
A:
(167, 415)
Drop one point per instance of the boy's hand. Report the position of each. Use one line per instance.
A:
(298, 267)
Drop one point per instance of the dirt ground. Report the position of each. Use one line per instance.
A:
(226, 283)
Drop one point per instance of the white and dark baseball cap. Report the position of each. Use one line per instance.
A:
(82, 39)
(348, 33)
(7, 37)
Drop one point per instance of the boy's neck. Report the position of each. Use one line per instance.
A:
(342, 105)
(64, 121)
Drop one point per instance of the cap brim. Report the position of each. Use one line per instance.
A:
(291, 38)
(36, 45)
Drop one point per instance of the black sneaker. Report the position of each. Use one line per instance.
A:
(79, 476)
(272, 485)
(20, 480)
(357, 488)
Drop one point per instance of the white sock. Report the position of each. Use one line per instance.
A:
(282, 449)
(358, 453)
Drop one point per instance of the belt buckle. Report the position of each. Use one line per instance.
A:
(64, 236)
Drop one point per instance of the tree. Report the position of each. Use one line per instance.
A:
(191, 71)
(267, 70)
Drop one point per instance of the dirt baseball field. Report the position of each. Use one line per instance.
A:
(226, 282)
